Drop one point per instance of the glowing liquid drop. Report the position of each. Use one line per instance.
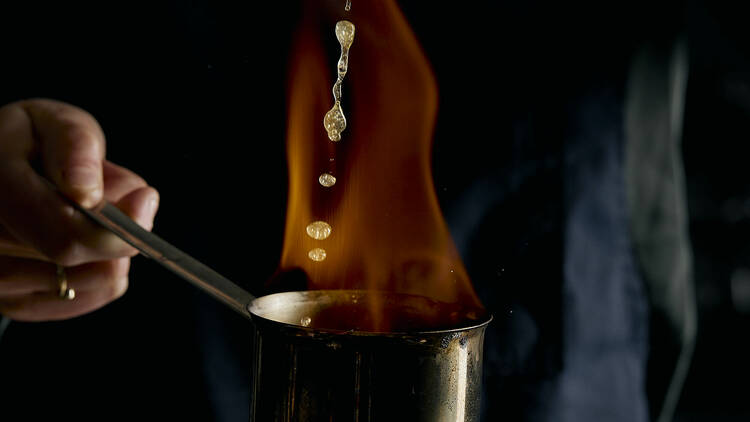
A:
(317, 254)
(335, 121)
(345, 35)
(348, 5)
(327, 180)
(319, 230)
(305, 321)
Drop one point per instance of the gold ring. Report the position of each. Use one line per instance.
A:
(64, 291)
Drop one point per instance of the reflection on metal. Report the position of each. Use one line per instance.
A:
(461, 390)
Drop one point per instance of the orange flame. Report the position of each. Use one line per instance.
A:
(387, 229)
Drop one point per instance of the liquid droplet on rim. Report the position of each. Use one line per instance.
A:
(317, 254)
(327, 180)
(319, 230)
(305, 321)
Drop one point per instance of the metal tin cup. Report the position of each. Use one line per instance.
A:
(313, 362)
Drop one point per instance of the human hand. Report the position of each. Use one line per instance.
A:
(40, 230)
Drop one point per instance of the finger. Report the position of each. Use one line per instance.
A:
(109, 275)
(29, 210)
(37, 216)
(72, 149)
(141, 205)
(119, 181)
(128, 191)
(10, 246)
(96, 285)
(45, 307)
(19, 276)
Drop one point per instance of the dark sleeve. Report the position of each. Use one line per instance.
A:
(654, 108)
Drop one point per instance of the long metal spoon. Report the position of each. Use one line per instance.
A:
(180, 263)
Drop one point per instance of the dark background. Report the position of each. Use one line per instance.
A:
(715, 148)
(191, 95)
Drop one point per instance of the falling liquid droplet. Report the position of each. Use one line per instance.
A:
(345, 33)
(317, 254)
(305, 321)
(327, 180)
(335, 122)
(348, 5)
(319, 230)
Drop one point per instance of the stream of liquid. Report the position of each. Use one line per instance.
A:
(334, 123)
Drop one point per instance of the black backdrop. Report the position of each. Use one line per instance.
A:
(191, 96)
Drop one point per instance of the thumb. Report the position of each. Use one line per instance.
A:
(71, 145)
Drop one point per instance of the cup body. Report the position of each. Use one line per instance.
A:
(312, 374)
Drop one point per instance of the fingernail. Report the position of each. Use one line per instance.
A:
(81, 177)
(153, 204)
(151, 207)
